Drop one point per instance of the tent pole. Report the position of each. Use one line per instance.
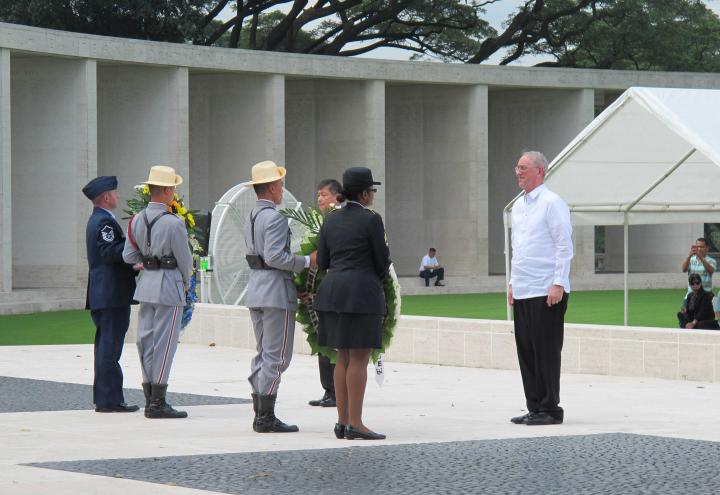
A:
(507, 260)
(625, 226)
(625, 271)
(659, 181)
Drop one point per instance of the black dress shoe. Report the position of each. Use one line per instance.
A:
(353, 434)
(326, 401)
(520, 420)
(339, 431)
(118, 408)
(542, 418)
(439, 284)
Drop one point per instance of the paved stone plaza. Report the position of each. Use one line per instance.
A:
(26, 395)
(448, 432)
(604, 463)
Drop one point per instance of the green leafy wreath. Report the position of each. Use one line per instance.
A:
(309, 280)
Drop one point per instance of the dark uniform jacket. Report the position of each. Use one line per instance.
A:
(352, 247)
(111, 282)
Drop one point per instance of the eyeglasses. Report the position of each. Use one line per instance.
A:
(523, 169)
(695, 283)
(372, 189)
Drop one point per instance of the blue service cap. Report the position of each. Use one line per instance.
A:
(99, 185)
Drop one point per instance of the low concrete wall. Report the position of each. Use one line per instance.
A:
(592, 349)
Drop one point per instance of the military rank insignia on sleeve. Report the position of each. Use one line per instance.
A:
(108, 233)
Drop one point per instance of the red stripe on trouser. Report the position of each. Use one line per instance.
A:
(169, 344)
(276, 381)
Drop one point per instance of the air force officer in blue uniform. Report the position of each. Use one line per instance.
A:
(111, 284)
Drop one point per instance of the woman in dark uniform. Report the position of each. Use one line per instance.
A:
(350, 301)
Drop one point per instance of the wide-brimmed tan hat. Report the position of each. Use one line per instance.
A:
(161, 175)
(265, 172)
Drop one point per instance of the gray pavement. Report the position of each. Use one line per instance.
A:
(614, 463)
(448, 432)
(27, 395)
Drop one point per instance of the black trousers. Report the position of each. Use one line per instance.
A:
(684, 319)
(539, 331)
(111, 325)
(327, 370)
(428, 274)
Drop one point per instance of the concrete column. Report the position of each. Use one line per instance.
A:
(300, 142)
(178, 116)
(375, 140)
(477, 131)
(236, 120)
(5, 175)
(274, 119)
(534, 119)
(87, 156)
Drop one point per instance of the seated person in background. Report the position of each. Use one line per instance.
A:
(697, 310)
(430, 268)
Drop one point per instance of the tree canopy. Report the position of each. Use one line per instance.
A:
(623, 34)
(670, 35)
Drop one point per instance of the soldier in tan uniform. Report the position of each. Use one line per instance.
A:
(159, 240)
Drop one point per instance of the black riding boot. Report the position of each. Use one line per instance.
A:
(255, 408)
(147, 390)
(158, 408)
(266, 421)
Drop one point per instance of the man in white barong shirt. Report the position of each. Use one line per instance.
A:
(539, 287)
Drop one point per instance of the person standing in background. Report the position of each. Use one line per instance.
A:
(329, 197)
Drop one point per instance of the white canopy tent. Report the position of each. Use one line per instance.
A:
(652, 157)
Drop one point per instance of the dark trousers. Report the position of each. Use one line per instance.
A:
(111, 325)
(327, 370)
(428, 274)
(539, 330)
(684, 319)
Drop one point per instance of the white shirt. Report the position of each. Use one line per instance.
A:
(542, 246)
(428, 261)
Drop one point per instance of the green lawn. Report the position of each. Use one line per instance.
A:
(651, 308)
(57, 327)
(648, 308)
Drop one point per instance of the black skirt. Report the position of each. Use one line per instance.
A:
(350, 330)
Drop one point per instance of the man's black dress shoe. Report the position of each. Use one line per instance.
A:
(542, 418)
(353, 434)
(520, 420)
(326, 401)
(439, 284)
(118, 408)
(339, 431)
